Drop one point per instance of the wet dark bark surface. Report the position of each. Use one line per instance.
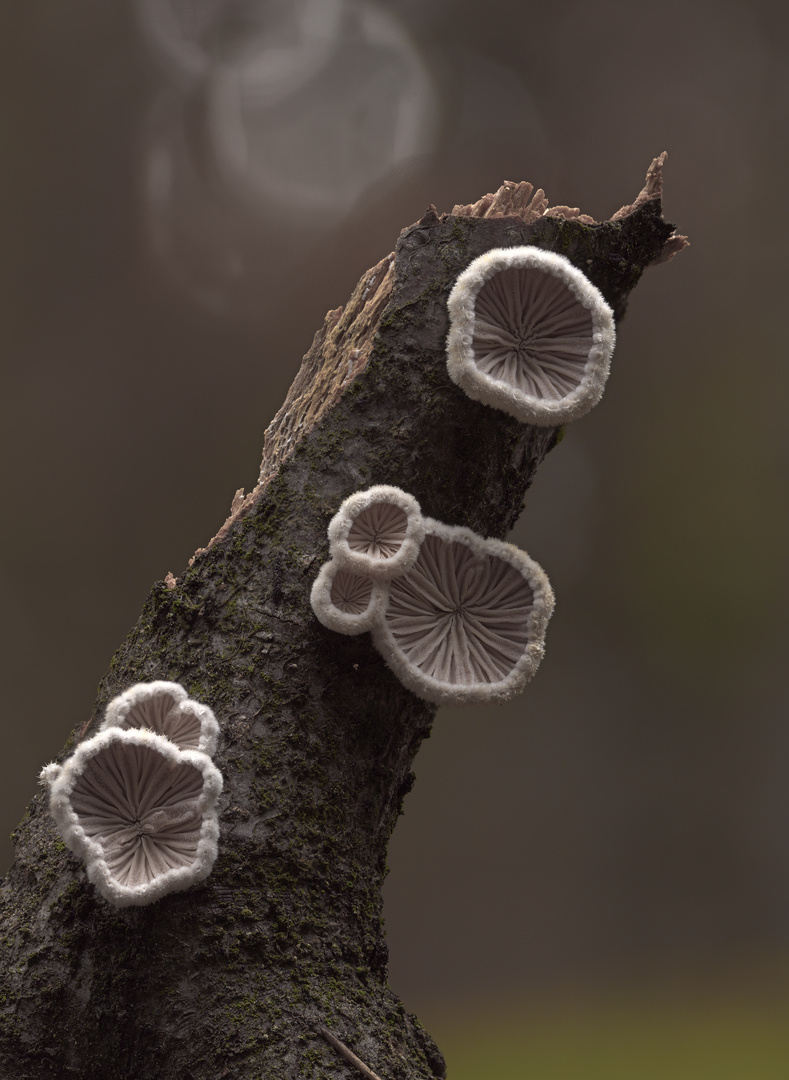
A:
(234, 977)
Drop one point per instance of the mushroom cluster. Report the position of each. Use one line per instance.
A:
(373, 537)
(457, 618)
(138, 801)
(529, 334)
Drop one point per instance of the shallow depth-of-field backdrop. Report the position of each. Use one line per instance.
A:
(592, 881)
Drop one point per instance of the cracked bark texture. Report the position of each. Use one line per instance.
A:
(235, 977)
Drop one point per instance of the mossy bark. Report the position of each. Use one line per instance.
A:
(235, 977)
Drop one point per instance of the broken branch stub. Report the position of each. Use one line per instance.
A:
(240, 971)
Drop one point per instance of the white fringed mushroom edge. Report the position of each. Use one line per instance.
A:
(374, 567)
(346, 622)
(143, 697)
(61, 780)
(445, 693)
(499, 394)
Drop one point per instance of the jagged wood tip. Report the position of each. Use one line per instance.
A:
(341, 348)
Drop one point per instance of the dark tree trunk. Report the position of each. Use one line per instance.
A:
(235, 977)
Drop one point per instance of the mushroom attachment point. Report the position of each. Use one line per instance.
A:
(139, 812)
(165, 708)
(529, 334)
(377, 532)
(345, 601)
(467, 622)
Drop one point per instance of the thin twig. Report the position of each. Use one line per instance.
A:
(343, 1050)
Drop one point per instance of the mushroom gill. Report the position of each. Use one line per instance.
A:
(529, 334)
(165, 708)
(467, 622)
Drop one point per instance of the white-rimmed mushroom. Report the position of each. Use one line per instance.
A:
(529, 334)
(139, 812)
(377, 532)
(467, 622)
(344, 601)
(165, 708)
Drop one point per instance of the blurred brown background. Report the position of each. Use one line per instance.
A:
(186, 187)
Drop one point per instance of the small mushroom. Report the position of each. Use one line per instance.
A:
(467, 622)
(345, 601)
(165, 707)
(139, 812)
(377, 532)
(529, 334)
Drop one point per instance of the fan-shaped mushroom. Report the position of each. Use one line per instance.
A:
(529, 334)
(467, 622)
(139, 812)
(346, 601)
(165, 707)
(377, 532)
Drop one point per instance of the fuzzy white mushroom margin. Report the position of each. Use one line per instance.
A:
(345, 601)
(165, 708)
(580, 361)
(377, 532)
(467, 623)
(126, 807)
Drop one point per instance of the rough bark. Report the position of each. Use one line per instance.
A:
(235, 977)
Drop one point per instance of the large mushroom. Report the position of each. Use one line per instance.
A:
(529, 334)
(139, 812)
(467, 622)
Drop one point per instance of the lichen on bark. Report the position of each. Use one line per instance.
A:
(235, 977)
